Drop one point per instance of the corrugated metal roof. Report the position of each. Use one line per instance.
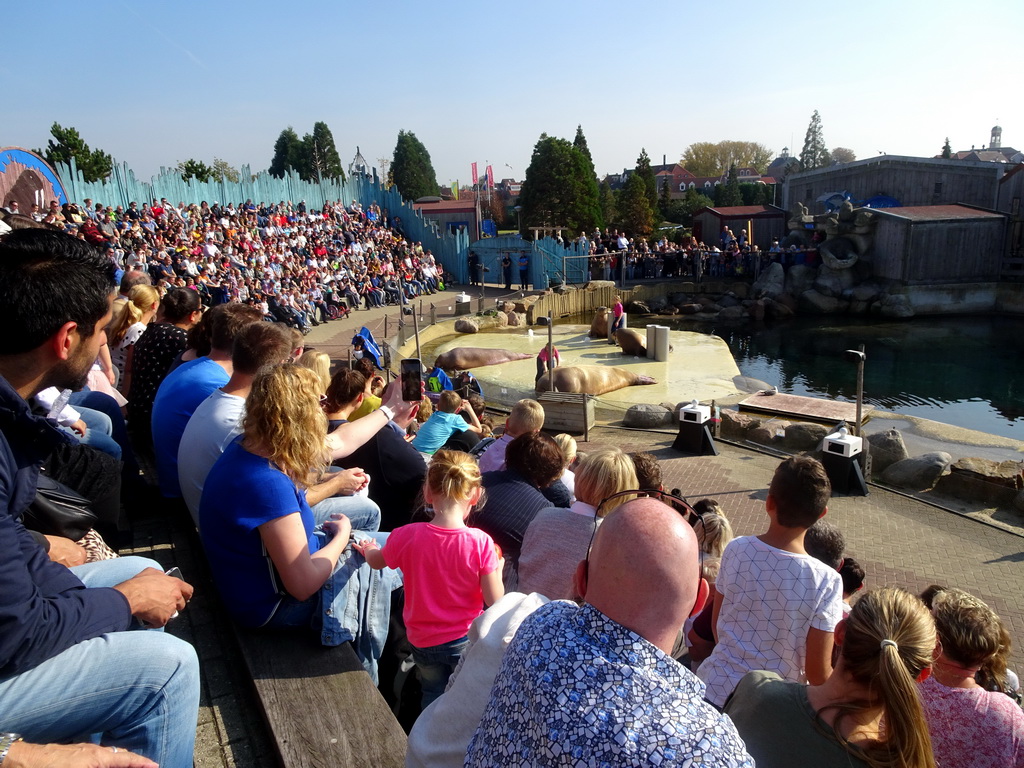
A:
(732, 211)
(937, 212)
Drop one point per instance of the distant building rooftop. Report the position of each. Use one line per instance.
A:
(938, 212)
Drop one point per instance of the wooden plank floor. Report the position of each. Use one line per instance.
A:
(805, 408)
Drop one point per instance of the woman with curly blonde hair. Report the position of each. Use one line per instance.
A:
(255, 522)
(970, 725)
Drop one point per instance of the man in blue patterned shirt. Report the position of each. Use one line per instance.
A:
(595, 684)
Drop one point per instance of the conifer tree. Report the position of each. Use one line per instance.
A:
(947, 151)
(66, 143)
(814, 153)
(287, 153)
(560, 189)
(634, 207)
(320, 156)
(411, 168)
(645, 172)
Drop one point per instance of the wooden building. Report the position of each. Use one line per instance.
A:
(1011, 190)
(452, 215)
(938, 244)
(913, 181)
(763, 223)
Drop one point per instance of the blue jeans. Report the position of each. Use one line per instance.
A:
(362, 511)
(435, 665)
(137, 690)
(353, 605)
(98, 432)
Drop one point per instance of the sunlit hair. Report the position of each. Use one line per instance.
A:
(603, 473)
(713, 534)
(141, 299)
(968, 628)
(648, 470)
(453, 475)
(450, 401)
(526, 416)
(567, 444)
(426, 410)
(283, 420)
(319, 363)
(345, 386)
(890, 673)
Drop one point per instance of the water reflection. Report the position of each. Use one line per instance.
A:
(965, 371)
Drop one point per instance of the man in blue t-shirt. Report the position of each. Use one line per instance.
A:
(445, 422)
(189, 385)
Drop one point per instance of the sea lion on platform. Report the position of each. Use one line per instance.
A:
(461, 358)
(599, 327)
(592, 379)
(632, 342)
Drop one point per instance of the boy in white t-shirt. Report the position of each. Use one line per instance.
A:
(776, 606)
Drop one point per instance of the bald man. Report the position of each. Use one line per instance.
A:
(594, 683)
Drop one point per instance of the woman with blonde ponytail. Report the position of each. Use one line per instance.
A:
(867, 713)
(451, 571)
(129, 321)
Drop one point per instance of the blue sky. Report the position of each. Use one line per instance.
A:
(157, 83)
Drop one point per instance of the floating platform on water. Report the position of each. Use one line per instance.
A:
(802, 408)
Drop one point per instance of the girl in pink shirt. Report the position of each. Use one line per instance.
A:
(451, 571)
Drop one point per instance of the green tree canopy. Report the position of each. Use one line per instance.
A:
(664, 198)
(194, 169)
(287, 153)
(222, 170)
(606, 201)
(705, 158)
(580, 142)
(729, 194)
(411, 168)
(320, 156)
(560, 188)
(814, 153)
(94, 164)
(843, 155)
(635, 212)
(645, 172)
(947, 150)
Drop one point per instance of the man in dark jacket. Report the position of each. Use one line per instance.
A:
(68, 667)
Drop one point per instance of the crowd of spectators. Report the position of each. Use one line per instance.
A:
(299, 264)
(616, 256)
(310, 493)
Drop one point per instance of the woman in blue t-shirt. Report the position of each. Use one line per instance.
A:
(256, 525)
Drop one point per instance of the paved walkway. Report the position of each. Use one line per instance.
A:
(900, 541)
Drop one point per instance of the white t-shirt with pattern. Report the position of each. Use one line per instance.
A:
(770, 599)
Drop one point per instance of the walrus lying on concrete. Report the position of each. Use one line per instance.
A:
(592, 379)
(599, 327)
(461, 358)
(632, 342)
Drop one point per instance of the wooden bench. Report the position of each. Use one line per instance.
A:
(322, 708)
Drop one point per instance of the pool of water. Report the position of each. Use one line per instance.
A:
(964, 371)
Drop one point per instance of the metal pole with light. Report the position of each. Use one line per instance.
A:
(858, 356)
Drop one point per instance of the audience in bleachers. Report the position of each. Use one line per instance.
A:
(247, 439)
